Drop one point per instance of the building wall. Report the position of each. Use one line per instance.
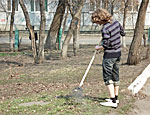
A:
(86, 24)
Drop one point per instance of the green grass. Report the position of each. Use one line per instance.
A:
(58, 80)
(58, 106)
(55, 107)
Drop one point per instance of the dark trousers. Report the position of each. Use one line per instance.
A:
(111, 71)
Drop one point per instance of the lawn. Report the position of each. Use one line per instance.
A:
(50, 85)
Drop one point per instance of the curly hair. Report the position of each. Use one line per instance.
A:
(101, 16)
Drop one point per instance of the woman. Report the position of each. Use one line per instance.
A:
(111, 43)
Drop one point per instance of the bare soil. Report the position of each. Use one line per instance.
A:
(20, 77)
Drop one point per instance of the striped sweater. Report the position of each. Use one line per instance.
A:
(111, 41)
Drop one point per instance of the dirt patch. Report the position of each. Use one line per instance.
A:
(142, 104)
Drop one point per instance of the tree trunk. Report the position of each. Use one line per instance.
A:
(76, 34)
(64, 24)
(124, 20)
(134, 52)
(75, 38)
(55, 26)
(29, 26)
(67, 39)
(40, 58)
(11, 36)
(70, 31)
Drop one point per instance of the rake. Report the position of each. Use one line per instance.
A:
(77, 92)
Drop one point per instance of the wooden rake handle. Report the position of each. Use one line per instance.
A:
(87, 70)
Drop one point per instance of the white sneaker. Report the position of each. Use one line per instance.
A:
(109, 104)
(109, 100)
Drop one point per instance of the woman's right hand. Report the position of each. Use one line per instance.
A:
(97, 47)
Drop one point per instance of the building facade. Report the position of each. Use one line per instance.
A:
(51, 5)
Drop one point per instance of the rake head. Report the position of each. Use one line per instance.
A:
(77, 93)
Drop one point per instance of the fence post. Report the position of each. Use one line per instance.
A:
(58, 41)
(16, 39)
(149, 35)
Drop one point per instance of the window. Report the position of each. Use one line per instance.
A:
(16, 5)
(136, 5)
(92, 5)
(9, 5)
(32, 5)
(85, 7)
(35, 5)
(46, 8)
(52, 5)
(133, 5)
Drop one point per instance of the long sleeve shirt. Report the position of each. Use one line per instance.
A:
(111, 41)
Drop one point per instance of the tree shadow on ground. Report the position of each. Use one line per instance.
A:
(11, 63)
